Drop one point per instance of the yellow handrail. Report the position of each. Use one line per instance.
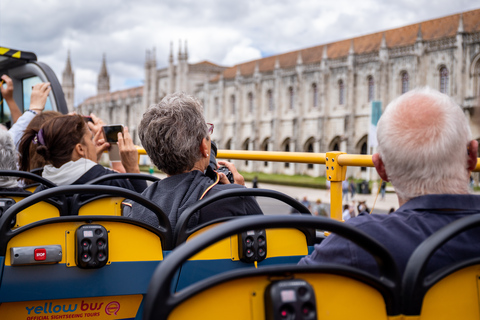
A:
(336, 167)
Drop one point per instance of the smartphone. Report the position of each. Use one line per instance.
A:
(111, 136)
(111, 132)
(87, 119)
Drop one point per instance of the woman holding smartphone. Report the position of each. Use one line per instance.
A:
(70, 152)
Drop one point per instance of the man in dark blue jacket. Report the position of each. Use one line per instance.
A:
(426, 152)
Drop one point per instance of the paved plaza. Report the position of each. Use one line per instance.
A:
(272, 206)
(381, 206)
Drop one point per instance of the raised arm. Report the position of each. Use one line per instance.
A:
(7, 93)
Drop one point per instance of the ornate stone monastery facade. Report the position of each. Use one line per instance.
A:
(314, 99)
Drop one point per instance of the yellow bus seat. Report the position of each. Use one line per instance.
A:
(49, 208)
(105, 204)
(229, 253)
(43, 265)
(452, 292)
(333, 291)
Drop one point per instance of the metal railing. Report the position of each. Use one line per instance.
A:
(336, 167)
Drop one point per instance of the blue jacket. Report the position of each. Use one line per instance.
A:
(402, 231)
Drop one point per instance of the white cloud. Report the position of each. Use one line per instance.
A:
(240, 53)
(223, 32)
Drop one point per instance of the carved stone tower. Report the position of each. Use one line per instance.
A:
(103, 84)
(68, 84)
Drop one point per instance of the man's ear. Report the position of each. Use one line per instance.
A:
(379, 166)
(472, 154)
(204, 147)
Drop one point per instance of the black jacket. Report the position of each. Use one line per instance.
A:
(176, 193)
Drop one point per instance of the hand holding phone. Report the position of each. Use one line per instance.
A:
(87, 119)
(111, 136)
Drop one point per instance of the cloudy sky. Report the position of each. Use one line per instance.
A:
(221, 31)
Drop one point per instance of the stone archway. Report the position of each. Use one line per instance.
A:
(334, 144)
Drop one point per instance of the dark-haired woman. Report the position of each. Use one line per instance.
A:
(36, 161)
(68, 148)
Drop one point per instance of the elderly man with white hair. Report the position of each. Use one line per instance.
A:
(427, 153)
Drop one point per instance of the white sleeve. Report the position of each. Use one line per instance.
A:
(17, 130)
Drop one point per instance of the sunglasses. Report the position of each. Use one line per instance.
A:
(210, 128)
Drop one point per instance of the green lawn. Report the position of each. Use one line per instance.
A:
(295, 180)
(283, 179)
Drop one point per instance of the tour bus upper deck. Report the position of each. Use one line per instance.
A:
(25, 71)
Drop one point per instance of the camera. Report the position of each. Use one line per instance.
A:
(227, 172)
(212, 166)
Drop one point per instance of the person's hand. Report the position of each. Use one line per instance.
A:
(100, 144)
(98, 136)
(96, 126)
(128, 152)
(7, 92)
(237, 177)
(39, 96)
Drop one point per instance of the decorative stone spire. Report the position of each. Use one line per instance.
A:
(277, 63)
(179, 50)
(170, 57)
(383, 52)
(325, 53)
(238, 73)
(67, 73)
(460, 24)
(103, 84)
(351, 55)
(147, 59)
(383, 43)
(419, 45)
(153, 58)
(185, 51)
(323, 64)
(299, 58)
(68, 83)
(352, 48)
(419, 33)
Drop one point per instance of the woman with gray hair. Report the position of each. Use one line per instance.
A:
(177, 140)
(8, 161)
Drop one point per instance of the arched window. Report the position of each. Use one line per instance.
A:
(364, 150)
(405, 82)
(232, 104)
(291, 94)
(371, 88)
(310, 149)
(477, 79)
(246, 144)
(265, 148)
(217, 106)
(270, 100)
(341, 92)
(250, 102)
(444, 80)
(287, 149)
(315, 95)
